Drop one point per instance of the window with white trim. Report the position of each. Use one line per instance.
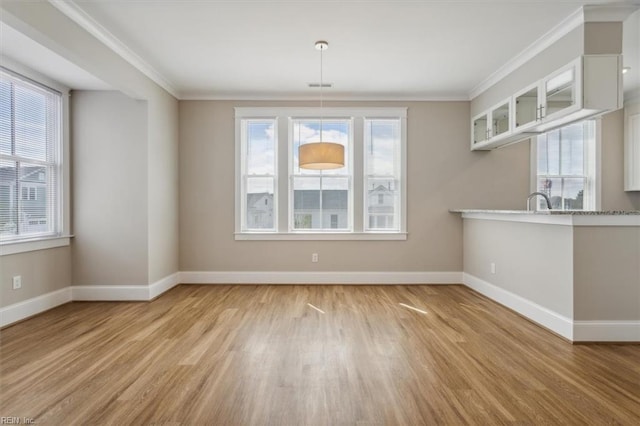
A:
(365, 199)
(30, 159)
(566, 170)
(321, 194)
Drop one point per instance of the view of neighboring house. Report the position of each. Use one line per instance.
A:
(23, 201)
(260, 210)
(331, 213)
(309, 213)
(382, 209)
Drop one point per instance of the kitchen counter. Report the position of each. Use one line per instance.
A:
(554, 212)
(575, 272)
(556, 217)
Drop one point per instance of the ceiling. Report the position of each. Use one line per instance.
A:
(264, 49)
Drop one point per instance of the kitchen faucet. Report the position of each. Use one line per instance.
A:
(534, 194)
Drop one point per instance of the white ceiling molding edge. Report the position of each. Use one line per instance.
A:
(80, 17)
(556, 33)
(314, 98)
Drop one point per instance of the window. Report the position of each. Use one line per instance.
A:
(382, 173)
(259, 175)
(566, 167)
(365, 199)
(30, 159)
(321, 194)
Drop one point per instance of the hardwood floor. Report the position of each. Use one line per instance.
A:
(313, 355)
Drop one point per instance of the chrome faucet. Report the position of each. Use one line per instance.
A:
(534, 194)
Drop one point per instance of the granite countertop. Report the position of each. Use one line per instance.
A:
(551, 212)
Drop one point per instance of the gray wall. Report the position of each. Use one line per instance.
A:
(532, 260)
(42, 271)
(109, 191)
(158, 239)
(606, 273)
(162, 189)
(442, 174)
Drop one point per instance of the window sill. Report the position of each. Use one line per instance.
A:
(321, 236)
(14, 247)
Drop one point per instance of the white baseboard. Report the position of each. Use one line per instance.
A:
(302, 277)
(25, 309)
(539, 314)
(606, 331)
(164, 284)
(94, 293)
(125, 292)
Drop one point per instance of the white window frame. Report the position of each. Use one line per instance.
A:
(62, 237)
(283, 116)
(244, 176)
(291, 167)
(592, 167)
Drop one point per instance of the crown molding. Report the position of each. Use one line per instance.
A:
(307, 98)
(556, 33)
(588, 13)
(83, 19)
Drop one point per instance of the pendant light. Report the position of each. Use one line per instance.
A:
(321, 155)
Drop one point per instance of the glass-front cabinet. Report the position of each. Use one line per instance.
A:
(560, 91)
(527, 107)
(491, 124)
(500, 119)
(587, 86)
(480, 129)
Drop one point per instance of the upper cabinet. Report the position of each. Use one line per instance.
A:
(632, 146)
(586, 87)
(496, 122)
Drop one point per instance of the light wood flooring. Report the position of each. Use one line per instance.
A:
(236, 355)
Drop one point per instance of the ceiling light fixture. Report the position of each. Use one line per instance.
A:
(321, 155)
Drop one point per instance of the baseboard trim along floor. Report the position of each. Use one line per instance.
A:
(576, 331)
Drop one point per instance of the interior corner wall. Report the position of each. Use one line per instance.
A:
(442, 173)
(155, 192)
(109, 189)
(162, 208)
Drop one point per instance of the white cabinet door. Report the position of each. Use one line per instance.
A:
(526, 107)
(480, 129)
(562, 91)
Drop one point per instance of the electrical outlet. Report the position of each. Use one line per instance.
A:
(17, 282)
(314, 257)
(493, 268)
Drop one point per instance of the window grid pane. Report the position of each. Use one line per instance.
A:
(259, 197)
(562, 166)
(30, 171)
(382, 175)
(320, 199)
(321, 203)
